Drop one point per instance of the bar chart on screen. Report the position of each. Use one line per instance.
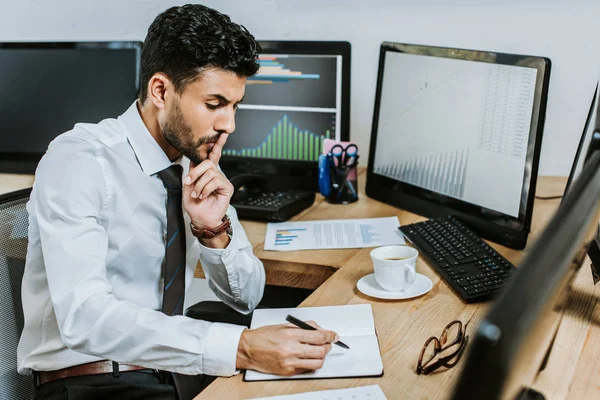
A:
(290, 106)
(442, 172)
(285, 139)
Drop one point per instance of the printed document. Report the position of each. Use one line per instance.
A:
(333, 234)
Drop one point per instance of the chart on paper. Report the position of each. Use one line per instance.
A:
(333, 234)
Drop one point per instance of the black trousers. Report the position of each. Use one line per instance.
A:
(143, 384)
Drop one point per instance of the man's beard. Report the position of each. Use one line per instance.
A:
(178, 134)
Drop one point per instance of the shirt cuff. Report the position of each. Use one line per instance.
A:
(218, 256)
(220, 353)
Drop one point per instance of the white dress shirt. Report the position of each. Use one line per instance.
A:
(93, 284)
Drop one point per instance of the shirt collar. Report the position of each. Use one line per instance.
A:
(150, 155)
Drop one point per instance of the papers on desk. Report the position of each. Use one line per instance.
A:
(355, 326)
(371, 392)
(333, 234)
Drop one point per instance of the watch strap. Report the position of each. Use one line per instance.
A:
(206, 233)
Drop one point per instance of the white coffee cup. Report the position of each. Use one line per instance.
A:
(395, 267)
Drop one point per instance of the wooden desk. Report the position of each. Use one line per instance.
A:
(403, 326)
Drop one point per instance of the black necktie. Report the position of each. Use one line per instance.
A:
(187, 386)
(174, 264)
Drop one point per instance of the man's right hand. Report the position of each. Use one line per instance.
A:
(284, 349)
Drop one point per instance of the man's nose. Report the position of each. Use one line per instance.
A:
(227, 122)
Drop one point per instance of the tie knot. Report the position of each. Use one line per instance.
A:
(171, 176)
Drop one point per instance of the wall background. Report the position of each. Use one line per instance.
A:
(562, 30)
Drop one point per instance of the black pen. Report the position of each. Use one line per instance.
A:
(304, 325)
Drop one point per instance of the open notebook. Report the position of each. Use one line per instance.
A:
(356, 328)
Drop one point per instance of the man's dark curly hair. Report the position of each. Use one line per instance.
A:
(184, 41)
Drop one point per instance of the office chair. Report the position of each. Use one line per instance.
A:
(14, 225)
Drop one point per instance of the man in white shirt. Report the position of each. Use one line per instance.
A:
(111, 251)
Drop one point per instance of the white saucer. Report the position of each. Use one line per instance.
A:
(369, 286)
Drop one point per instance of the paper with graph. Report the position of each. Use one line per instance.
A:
(333, 234)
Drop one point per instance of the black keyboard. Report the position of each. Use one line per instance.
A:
(274, 206)
(472, 268)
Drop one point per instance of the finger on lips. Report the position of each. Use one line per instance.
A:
(199, 176)
(215, 153)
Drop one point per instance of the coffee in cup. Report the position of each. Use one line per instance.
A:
(395, 267)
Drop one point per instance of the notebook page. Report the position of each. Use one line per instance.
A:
(355, 326)
(348, 320)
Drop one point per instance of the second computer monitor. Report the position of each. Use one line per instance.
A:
(459, 132)
(299, 97)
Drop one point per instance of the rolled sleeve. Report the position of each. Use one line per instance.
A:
(222, 341)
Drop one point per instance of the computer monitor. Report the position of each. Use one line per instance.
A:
(300, 96)
(590, 140)
(509, 345)
(458, 132)
(49, 87)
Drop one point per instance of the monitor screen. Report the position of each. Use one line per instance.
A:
(49, 87)
(299, 97)
(512, 340)
(586, 143)
(459, 129)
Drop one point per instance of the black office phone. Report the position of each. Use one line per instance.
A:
(253, 200)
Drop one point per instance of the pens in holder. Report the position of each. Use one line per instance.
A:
(304, 325)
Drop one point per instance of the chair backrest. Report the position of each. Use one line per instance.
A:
(14, 223)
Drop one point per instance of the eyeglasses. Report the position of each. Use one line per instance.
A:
(448, 349)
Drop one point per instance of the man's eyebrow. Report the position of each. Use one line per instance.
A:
(223, 98)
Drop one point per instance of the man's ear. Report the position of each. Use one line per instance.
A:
(158, 87)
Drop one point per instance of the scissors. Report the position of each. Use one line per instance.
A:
(341, 161)
(344, 157)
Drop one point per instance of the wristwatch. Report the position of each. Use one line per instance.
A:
(205, 233)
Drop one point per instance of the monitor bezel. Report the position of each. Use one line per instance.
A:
(286, 174)
(579, 157)
(491, 224)
(538, 288)
(26, 161)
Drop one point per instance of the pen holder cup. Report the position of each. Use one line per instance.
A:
(343, 187)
